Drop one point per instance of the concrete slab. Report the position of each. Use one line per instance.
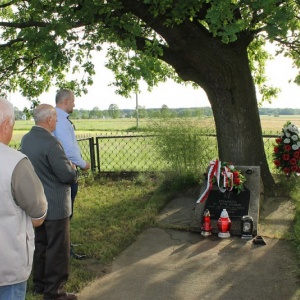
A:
(176, 265)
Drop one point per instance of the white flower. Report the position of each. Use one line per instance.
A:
(287, 134)
(294, 137)
(231, 167)
(293, 128)
(286, 141)
(298, 144)
(295, 147)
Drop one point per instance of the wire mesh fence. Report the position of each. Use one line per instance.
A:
(132, 152)
(141, 152)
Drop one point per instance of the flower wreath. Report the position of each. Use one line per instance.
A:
(225, 175)
(287, 150)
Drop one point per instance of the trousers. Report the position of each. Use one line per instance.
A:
(14, 291)
(51, 260)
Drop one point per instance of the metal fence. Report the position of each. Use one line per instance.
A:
(136, 152)
(124, 152)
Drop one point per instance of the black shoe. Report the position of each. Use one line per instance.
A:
(37, 292)
(78, 256)
(74, 245)
(65, 296)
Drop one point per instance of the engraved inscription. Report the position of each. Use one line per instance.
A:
(237, 205)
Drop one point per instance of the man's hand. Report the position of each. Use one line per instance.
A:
(87, 166)
(37, 223)
(73, 165)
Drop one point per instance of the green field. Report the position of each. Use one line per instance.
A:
(270, 125)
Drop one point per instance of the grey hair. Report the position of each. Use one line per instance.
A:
(62, 95)
(42, 112)
(6, 111)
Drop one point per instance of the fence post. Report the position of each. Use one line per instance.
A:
(98, 154)
(92, 154)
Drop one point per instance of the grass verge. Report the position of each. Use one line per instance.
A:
(109, 214)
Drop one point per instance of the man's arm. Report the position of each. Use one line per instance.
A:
(28, 192)
(60, 164)
(64, 132)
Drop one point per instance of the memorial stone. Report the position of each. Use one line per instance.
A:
(237, 204)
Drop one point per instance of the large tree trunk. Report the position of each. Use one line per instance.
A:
(222, 70)
(233, 101)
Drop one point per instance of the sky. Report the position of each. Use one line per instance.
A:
(101, 95)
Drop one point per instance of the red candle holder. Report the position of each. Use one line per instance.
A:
(224, 224)
(206, 227)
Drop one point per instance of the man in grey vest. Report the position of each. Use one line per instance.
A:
(56, 172)
(22, 205)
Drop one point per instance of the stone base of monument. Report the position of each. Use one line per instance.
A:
(237, 205)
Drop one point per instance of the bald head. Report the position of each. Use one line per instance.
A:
(7, 120)
(44, 115)
(6, 111)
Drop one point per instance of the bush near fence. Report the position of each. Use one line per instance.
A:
(132, 152)
(137, 152)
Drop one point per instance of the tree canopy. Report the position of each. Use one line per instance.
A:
(45, 42)
(217, 45)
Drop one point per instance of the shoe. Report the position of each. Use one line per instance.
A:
(77, 256)
(65, 296)
(37, 292)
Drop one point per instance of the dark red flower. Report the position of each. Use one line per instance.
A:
(276, 149)
(286, 170)
(286, 157)
(287, 147)
(278, 140)
(236, 180)
(296, 154)
(277, 162)
(294, 168)
(235, 174)
(293, 161)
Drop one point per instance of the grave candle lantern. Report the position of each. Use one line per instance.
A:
(224, 224)
(206, 224)
(247, 227)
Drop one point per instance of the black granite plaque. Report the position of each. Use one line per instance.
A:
(236, 204)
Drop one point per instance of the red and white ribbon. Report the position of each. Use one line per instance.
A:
(215, 171)
(228, 179)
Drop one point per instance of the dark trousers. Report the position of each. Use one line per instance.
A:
(74, 190)
(51, 257)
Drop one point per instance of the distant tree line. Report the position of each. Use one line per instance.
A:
(279, 111)
(113, 112)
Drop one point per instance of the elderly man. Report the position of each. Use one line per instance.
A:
(22, 204)
(57, 173)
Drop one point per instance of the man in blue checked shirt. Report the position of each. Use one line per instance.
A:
(65, 133)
